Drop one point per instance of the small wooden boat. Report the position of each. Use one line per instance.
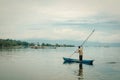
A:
(70, 60)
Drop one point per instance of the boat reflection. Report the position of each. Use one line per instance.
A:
(66, 62)
(78, 72)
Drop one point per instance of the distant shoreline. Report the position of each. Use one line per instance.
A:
(9, 43)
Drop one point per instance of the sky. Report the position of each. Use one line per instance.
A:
(60, 19)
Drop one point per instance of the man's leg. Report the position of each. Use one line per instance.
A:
(80, 57)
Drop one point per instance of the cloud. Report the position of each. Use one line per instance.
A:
(37, 11)
(60, 19)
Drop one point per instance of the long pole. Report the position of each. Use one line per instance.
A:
(87, 38)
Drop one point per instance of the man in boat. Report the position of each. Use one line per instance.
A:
(80, 51)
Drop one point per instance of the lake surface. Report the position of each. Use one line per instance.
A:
(47, 64)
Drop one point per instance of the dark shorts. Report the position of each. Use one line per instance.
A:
(80, 57)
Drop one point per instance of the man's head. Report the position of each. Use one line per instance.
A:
(79, 46)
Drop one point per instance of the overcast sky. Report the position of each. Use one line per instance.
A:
(60, 19)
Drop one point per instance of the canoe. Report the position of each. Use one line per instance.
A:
(70, 60)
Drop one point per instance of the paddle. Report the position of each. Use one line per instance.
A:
(85, 40)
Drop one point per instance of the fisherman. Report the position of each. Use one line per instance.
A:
(80, 51)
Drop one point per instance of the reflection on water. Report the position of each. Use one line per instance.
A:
(47, 64)
(80, 72)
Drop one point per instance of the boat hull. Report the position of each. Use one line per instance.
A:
(70, 60)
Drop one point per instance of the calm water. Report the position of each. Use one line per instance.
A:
(47, 64)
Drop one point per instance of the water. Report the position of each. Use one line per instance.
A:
(47, 64)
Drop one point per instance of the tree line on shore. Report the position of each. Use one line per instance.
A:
(9, 43)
